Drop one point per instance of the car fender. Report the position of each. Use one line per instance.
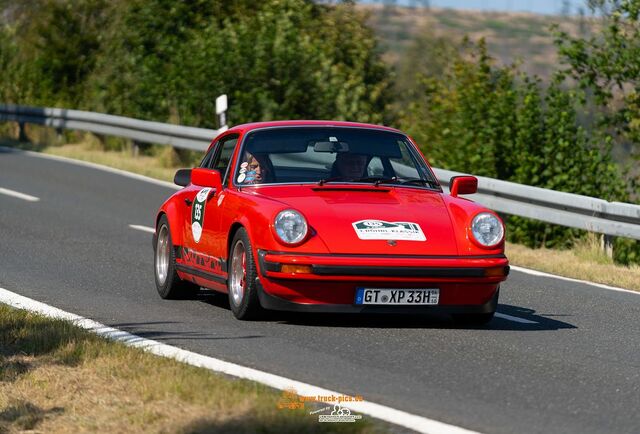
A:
(175, 216)
(461, 212)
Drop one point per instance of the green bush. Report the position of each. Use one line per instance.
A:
(167, 61)
(491, 121)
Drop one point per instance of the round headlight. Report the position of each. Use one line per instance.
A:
(487, 229)
(291, 227)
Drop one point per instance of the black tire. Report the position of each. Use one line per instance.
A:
(473, 319)
(168, 284)
(243, 291)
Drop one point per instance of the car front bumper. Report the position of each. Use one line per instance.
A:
(329, 282)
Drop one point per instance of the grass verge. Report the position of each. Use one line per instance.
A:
(58, 378)
(585, 261)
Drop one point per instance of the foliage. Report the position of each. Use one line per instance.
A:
(607, 67)
(54, 46)
(490, 121)
(608, 64)
(168, 61)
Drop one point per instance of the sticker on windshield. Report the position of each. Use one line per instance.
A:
(381, 230)
(197, 213)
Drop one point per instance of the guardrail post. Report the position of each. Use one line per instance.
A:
(22, 135)
(607, 245)
(221, 111)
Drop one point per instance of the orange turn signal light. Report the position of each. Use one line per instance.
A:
(286, 268)
(496, 271)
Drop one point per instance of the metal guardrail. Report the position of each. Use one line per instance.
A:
(565, 209)
(177, 136)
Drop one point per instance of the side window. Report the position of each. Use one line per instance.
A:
(206, 161)
(222, 155)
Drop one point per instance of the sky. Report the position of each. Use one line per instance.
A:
(549, 7)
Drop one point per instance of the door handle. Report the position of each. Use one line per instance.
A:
(188, 201)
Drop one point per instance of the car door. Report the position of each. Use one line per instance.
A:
(204, 217)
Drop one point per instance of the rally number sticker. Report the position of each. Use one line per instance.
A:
(382, 230)
(197, 213)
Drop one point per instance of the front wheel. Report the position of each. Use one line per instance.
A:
(243, 291)
(479, 319)
(168, 283)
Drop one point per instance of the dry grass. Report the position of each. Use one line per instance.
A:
(56, 378)
(586, 261)
(151, 166)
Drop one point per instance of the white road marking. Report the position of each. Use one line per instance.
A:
(143, 228)
(514, 318)
(570, 279)
(378, 411)
(19, 195)
(99, 167)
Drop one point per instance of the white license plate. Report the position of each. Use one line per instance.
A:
(400, 296)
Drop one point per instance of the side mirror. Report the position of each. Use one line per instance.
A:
(207, 178)
(182, 177)
(463, 185)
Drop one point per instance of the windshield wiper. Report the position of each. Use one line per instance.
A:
(419, 181)
(377, 180)
(333, 178)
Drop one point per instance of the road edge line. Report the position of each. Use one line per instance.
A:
(570, 279)
(391, 415)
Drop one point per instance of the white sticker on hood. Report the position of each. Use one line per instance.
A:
(381, 230)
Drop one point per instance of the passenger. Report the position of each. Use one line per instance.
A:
(251, 170)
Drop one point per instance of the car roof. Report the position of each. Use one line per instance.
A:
(298, 123)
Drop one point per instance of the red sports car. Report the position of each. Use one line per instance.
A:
(320, 216)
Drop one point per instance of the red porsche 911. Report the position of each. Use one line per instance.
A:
(318, 216)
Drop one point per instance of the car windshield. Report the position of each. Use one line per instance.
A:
(325, 155)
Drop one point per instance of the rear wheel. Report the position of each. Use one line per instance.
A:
(168, 284)
(243, 291)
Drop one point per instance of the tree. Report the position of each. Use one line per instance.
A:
(283, 59)
(478, 118)
(608, 66)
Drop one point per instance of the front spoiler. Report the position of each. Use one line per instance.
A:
(328, 267)
(272, 302)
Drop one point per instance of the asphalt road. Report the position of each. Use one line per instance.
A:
(575, 369)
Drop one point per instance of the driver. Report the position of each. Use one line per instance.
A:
(350, 165)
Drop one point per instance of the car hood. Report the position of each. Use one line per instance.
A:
(372, 220)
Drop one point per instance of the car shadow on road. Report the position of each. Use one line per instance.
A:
(426, 321)
(154, 330)
(541, 321)
(435, 320)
